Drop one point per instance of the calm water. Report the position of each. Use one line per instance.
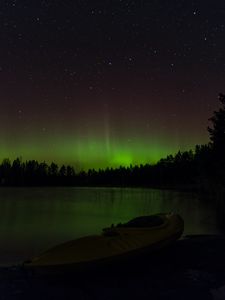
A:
(34, 219)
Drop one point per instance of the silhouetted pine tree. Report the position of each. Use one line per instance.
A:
(217, 144)
(217, 131)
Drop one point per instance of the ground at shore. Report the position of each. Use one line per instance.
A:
(192, 268)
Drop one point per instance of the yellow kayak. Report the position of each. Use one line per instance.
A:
(116, 242)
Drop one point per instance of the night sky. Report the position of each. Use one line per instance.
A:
(108, 83)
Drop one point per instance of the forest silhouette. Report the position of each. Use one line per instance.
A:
(202, 168)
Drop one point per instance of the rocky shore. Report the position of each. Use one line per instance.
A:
(192, 268)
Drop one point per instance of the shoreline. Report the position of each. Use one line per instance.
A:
(191, 268)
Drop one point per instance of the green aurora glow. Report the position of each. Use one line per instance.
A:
(98, 84)
(99, 140)
(89, 152)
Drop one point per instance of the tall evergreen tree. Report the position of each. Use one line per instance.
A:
(217, 144)
(217, 131)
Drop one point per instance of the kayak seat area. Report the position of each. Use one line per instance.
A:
(143, 221)
(139, 222)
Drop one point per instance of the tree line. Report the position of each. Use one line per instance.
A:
(201, 168)
(182, 169)
(33, 173)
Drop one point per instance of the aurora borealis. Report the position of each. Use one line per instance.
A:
(100, 84)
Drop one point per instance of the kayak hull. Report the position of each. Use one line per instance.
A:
(91, 252)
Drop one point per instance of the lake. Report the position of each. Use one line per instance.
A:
(34, 219)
